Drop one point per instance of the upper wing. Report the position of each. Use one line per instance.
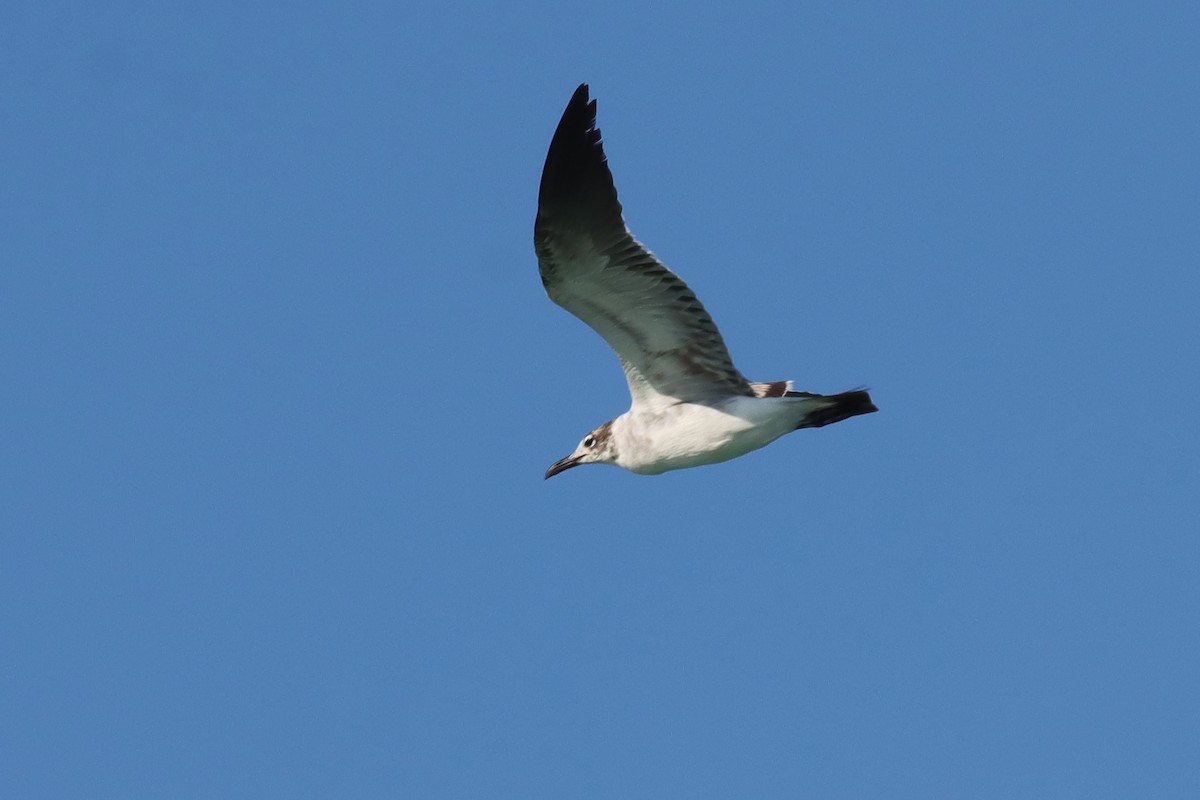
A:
(592, 266)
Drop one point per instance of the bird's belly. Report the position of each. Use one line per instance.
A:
(698, 435)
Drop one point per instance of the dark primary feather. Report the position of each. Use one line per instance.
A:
(592, 266)
(577, 193)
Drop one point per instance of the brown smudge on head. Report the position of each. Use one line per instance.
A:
(603, 433)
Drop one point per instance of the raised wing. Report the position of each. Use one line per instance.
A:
(592, 266)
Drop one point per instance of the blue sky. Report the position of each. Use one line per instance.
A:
(280, 384)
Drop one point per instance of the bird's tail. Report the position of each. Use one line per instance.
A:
(826, 409)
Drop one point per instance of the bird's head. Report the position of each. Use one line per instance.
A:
(597, 447)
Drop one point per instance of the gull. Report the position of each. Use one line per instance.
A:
(690, 405)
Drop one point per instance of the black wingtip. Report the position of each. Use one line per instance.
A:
(578, 119)
(576, 182)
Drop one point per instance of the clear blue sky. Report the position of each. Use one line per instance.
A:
(279, 382)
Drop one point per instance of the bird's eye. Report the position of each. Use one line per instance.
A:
(589, 440)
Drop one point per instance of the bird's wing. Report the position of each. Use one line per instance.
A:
(592, 266)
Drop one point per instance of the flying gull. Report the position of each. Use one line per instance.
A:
(690, 404)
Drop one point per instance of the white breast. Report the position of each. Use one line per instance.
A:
(690, 435)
